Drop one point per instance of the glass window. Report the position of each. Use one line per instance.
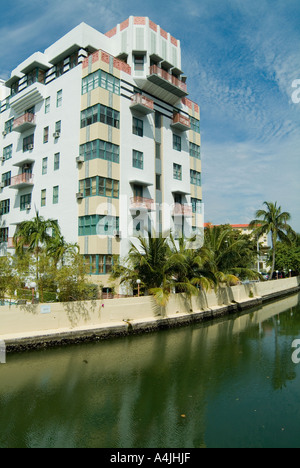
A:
(176, 142)
(55, 195)
(46, 134)
(44, 166)
(59, 98)
(137, 127)
(28, 143)
(4, 207)
(25, 201)
(196, 178)
(177, 171)
(47, 105)
(6, 179)
(43, 197)
(56, 161)
(137, 159)
(7, 152)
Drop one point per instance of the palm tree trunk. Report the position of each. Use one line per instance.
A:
(273, 254)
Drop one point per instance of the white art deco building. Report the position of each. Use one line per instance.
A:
(98, 133)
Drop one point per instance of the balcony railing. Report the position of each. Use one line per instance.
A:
(141, 203)
(23, 123)
(167, 81)
(10, 243)
(181, 122)
(21, 180)
(142, 104)
(182, 210)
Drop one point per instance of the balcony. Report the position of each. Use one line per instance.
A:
(141, 204)
(27, 97)
(182, 210)
(167, 81)
(23, 123)
(21, 181)
(10, 243)
(181, 122)
(142, 104)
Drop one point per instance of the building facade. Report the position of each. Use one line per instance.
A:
(98, 133)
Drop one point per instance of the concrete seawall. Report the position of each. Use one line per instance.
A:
(42, 325)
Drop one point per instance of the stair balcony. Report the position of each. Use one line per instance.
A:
(23, 123)
(20, 181)
(181, 122)
(167, 81)
(142, 104)
(141, 204)
(182, 210)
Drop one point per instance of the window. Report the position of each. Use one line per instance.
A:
(4, 207)
(138, 62)
(177, 171)
(195, 151)
(176, 142)
(59, 98)
(158, 120)
(92, 225)
(157, 151)
(47, 105)
(196, 178)
(100, 113)
(44, 166)
(25, 201)
(137, 127)
(196, 205)
(43, 197)
(137, 159)
(158, 182)
(195, 124)
(98, 264)
(100, 149)
(28, 143)
(101, 79)
(58, 127)
(46, 134)
(99, 186)
(8, 126)
(56, 161)
(7, 152)
(6, 179)
(3, 235)
(55, 195)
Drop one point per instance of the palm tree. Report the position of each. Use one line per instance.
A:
(59, 249)
(33, 235)
(232, 254)
(275, 222)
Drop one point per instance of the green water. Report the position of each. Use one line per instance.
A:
(230, 383)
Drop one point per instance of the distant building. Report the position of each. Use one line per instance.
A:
(262, 245)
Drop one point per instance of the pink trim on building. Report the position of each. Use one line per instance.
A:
(163, 33)
(124, 25)
(153, 25)
(112, 32)
(139, 20)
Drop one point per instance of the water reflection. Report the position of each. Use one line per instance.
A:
(227, 383)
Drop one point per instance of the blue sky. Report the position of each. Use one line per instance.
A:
(241, 58)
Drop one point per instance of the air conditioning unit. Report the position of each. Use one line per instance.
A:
(1, 185)
(117, 233)
(2, 159)
(28, 207)
(30, 147)
(4, 133)
(56, 134)
(79, 195)
(80, 159)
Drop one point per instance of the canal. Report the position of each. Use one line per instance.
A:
(229, 383)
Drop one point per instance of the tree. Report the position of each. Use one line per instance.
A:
(34, 235)
(232, 254)
(275, 222)
(60, 250)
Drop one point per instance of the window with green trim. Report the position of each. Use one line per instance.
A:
(195, 125)
(4, 206)
(195, 150)
(137, 159)
(99, 186)
(43, 197)
(177, 171)
(176, 142)
(6, 179)
(196, 205)
(3, 234)
(25, 201)
(8, 126)
(101, 79)
(7, 152)
(98, 264)
(100, 149)
(137, 127)
(55, 194)
(100, 113)
(101, 225)
(196, 178)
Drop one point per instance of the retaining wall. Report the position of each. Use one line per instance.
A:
(59, 323)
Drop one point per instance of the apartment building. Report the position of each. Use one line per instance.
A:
(98, 133)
